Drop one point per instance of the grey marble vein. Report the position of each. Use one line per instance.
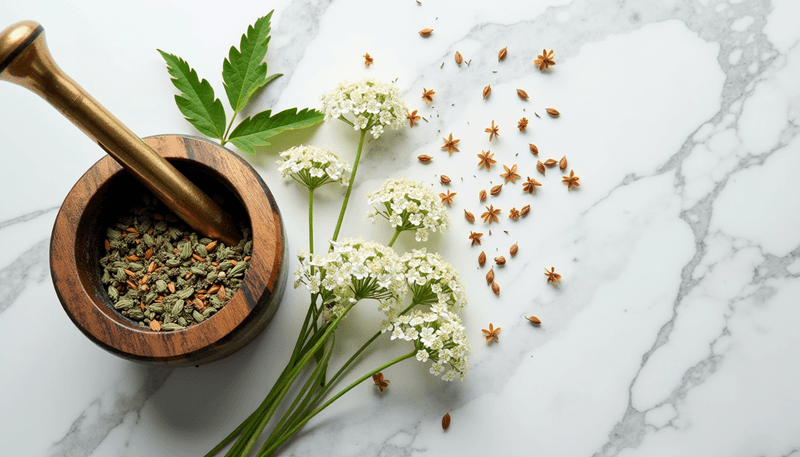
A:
(32, 265)
(26, 217)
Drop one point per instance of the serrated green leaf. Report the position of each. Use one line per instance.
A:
(243, 72)
(197, 101)
(254, 131)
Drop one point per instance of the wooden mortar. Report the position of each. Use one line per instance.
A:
(188, 174)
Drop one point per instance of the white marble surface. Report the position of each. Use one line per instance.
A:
(674, 332)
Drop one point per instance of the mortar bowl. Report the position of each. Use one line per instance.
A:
(105, 192)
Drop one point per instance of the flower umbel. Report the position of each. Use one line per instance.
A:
(372, 104)
(409, 205)
(313, 167)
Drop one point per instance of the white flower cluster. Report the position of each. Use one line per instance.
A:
(375, 104)
(409, 205)
(437, 332)
(354, 270)
(313, 166)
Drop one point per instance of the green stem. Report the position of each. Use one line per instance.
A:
(295, 372)
(287, 435)
(396, 234)
(311, 222)
(224, 138)
(349, 186)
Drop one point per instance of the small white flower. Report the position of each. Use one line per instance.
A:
(427, 336)
(374, 104)
(422, 355)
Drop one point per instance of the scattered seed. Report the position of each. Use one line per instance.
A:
(534, 149)
(446, 421)
(444, 179)
(500, 260)
(551, 162)
(502, 54)
(469, 216)
(534, 320)
(525, 210)
(490, 276)
(540, 167)
(482, 258)
(496, 189)
(495, 288)
(482, 195)
(553, 112)
(458, 58)
(562, 164)
(522, 94)
(487, 91)
(513, 250)
(425, 32)
(424, 158)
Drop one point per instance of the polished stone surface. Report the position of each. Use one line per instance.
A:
(673, 332)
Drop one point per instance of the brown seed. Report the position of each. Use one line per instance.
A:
(540, 167)
(487, 90)
(496, 189)
(482, 195)
(522, 94)
(221, 293)
(132, 230)
(469, 216)
(188, 275)
(171, 288)
(446, 421)
(132, 258)
(210, 246)
(534, 320)
(424, 158)
(198, 258)
(534, 149)
(148, 254)
(132, 284)
(155, 326)
(107, 245)
(246, 258)
(490, 276)
(129, 273)
(151, 268)
(496, 288)
(198, 304)
(233, 262)
(145, 288)
(444, 179)
(513, 250)
(551, 162)
(213, 289)
(500, 260)
(502, 54)
(553, 112)
(144, 279)
(458, 58)
(525, 210)
(175, 250)
(562, 164)
(425, 32)
(482, 258)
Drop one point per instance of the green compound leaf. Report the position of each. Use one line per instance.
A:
(196, 101)
(254, 131)
(243, 72)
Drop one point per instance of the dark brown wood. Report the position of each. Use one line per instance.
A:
(104, 192)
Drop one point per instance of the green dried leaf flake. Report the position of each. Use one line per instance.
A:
(253, 132)
(243, 72)
(197, 101)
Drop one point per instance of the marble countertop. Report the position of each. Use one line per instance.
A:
(673, 332)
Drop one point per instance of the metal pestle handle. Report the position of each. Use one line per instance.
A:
(25, 60)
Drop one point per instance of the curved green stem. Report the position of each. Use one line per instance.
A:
(294, 373)
(287, 435)
(224, 138)
(396, 234)
(349, 186)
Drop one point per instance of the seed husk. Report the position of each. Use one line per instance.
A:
(446, 421)
(426, 31)
(469, 216)
(553, 112)
(424, 158)
(551, 162)
(487, 91)
(514, 248)
(525, 210)
(495, 288)
(458, 58)
(490, 276)
(562, 164)
(534, 320)
(444, 179)
(482, 195)
(155, 325)
(107, 245)
(540, 167)
(500, 260)
(522, 94)
(482, 258)
(502, 54)
(534, 149)
(496, 189)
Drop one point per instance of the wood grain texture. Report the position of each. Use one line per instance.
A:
(101, 196)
